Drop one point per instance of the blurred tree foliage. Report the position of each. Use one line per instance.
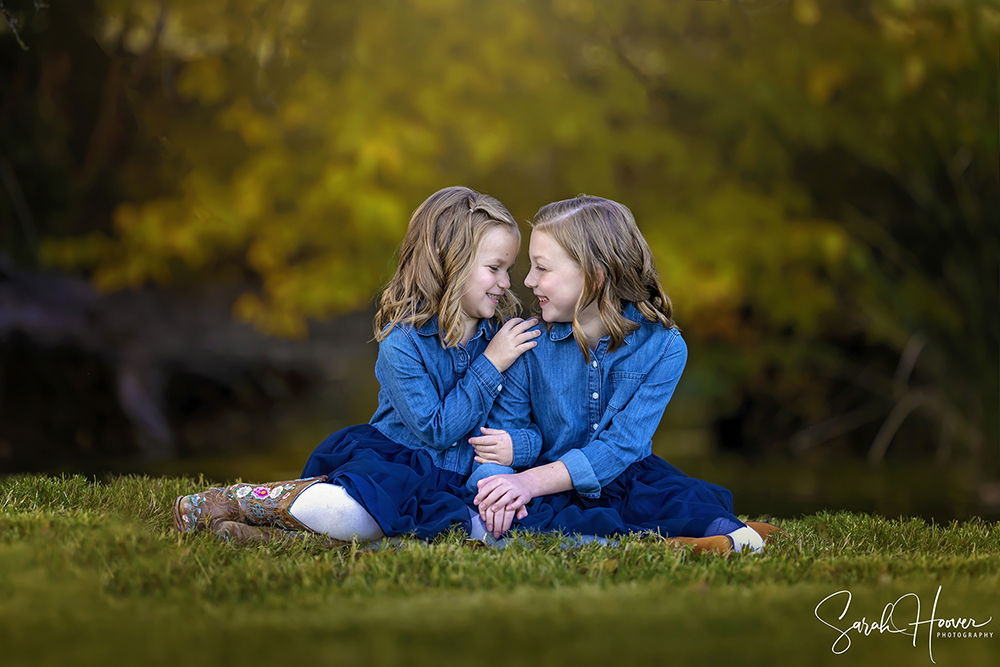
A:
(818, 179)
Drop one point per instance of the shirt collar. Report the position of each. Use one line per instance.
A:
(430, 328)
(563, 330)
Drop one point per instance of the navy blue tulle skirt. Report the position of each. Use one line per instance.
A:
(400, 487)
(650, 495)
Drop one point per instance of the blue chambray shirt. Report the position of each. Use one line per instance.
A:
(435, 398)
(597, 417)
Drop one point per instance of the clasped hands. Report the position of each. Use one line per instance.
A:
(501, 498)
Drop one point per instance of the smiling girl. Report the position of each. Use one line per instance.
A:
(441, 363)
(596, 387)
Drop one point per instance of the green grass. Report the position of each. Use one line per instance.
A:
(92, 573)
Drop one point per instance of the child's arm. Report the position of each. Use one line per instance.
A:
(513, 438)
(516, 442)
(436, 422)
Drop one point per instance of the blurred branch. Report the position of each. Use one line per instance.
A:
(623, 59)
(953, 425)
(14, 24)
(14, 27)
(832, 428)
(907, 404)
(107, 123)
(21, 209)
(906, 363)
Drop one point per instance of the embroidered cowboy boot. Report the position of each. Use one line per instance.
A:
(254, 504)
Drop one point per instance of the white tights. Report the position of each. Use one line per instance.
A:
(328, 508)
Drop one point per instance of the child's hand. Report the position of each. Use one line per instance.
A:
(499, 522)
(498, 492)
(514, 339)
(494, 446)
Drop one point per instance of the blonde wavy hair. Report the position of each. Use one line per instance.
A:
(436, 259)
(618, 268)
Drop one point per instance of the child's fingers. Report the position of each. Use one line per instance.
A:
(490, 499)
(510, 325)
(523, 325)
(506, 518)
(486, 485)
(522, 512)
(491, 431)
(483, 440)
(505, 499)
(526, 336)
(487, 488)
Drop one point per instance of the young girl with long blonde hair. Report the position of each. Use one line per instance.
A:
(446, 336)
(596, 387)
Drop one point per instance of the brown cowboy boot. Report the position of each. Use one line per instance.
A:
(718, 544)
(252, 504)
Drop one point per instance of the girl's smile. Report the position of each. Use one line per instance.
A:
(557, 282)
(489, 277)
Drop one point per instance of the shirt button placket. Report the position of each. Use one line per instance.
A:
(595, 384)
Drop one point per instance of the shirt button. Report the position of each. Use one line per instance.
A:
(594, 395)
(594, 363)
(499, 387)
(595, 427)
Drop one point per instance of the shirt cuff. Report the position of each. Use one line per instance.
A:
(489, 377)
(582, 473)
(482, 472)
(523, 456)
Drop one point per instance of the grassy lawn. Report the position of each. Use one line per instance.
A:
(91, 573)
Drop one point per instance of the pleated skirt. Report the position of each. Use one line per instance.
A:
(400, 487)
(650, 495)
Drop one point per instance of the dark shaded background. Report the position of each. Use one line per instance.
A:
(198, 200)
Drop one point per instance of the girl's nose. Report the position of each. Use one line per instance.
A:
(529, 280)
(504, 282)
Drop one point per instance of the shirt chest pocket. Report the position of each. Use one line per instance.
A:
(623, 385)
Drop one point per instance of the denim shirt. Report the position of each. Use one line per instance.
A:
(435, 398)
(597, 417)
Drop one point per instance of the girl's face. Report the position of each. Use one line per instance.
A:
(555, 278)
(489, 278)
